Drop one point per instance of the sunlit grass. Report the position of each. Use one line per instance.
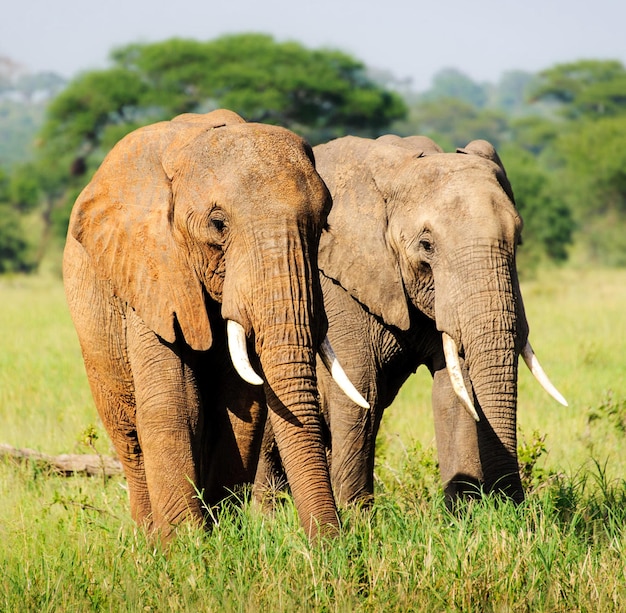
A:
(45, 400)
(69, 544)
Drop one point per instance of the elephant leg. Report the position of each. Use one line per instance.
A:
(457, 440)
(168, 417)
(99, 324)
(353, 435)
(352, 463)
(236, 430)
(126, 443)
(351, 429)
(270, 475)
(117, 415)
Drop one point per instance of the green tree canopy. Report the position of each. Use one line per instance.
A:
(548, 222)
(561, 133)
(320, 94)
(587, 151)
(452, 83)
(454, 121)
(591, 88)
(593, 175)
(511, 92)
(14, 246)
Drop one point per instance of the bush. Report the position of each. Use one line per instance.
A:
(15, 253)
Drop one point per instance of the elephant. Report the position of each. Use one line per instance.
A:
(196, 240)
(418, 267)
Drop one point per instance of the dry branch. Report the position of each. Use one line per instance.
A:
(67, 464)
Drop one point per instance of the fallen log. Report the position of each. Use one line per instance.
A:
(67, 464)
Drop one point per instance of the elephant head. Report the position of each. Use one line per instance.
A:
(209, 209)
(412, 228)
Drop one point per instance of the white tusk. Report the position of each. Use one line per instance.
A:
(238, 350)
(334, 368)
(451, 354)
(533, 365)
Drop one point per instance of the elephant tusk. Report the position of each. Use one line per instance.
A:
(238, 350)
(334, 368)
(453, 366)
(535, 368)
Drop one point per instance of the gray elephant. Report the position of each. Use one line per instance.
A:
(195, 235)
(417, 267)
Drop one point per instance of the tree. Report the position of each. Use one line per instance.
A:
(593, 160)
(452, 83)
(534, 133)
(587, 151)
(587, 88)
(511, 92)
(80, 119)
(548, 221)
(14, 247)
(320, 94)
(453, 121)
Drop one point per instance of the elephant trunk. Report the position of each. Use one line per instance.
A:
(490, 326)
(287, 351)
(283, 309)
(291, 391)
(492, 363)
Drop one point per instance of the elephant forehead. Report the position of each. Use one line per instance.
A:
(463, 184)
(453, 189)
(265, 166)
(259, 145)
(252, 153)
(454, 170)
(241, 182)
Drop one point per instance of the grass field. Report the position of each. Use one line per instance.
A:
(68, 544)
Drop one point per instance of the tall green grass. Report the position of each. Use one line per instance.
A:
(44, 396)
(68, 544)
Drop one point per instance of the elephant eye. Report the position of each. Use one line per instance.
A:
(218, 224)
(218, 227)
(426, 245)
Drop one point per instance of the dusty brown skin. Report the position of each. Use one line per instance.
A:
(186, 224)
(421, 242)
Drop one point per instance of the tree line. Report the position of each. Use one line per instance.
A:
(560, 133)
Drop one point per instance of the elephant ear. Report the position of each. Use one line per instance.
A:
(354, 249)
(123, 220)
(485, 149)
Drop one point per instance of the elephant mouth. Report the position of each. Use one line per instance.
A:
(238, 349)
(453, 366)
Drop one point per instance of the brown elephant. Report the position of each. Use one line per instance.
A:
(417, 267)
(189, 224)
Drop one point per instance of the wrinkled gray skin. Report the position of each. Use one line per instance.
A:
(186, 224)
(420, 242)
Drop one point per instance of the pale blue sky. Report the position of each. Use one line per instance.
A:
(409, 38)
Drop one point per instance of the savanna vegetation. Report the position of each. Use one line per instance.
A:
(70, 544)
(560, 132)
